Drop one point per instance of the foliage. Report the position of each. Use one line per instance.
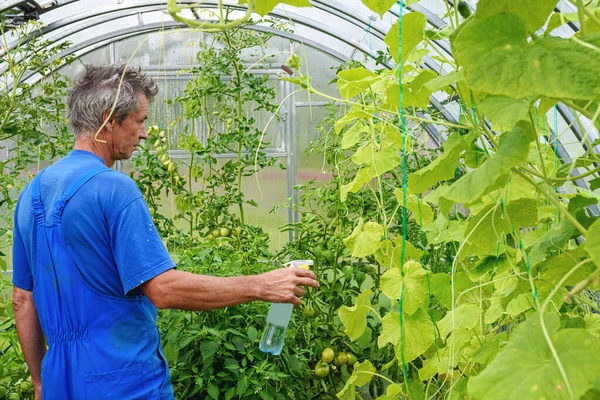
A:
(517, 260)
(215, 354)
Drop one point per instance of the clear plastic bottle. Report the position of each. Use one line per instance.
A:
(273, 336)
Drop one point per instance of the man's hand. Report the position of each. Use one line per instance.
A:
(285, 285)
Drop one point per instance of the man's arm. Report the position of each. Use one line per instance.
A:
(30, 334)
(187, 291)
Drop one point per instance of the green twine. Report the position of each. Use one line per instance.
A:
(404, 184)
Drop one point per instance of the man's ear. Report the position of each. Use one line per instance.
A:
(109, 123)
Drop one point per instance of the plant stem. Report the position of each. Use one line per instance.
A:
(574, 178)
(581, 13)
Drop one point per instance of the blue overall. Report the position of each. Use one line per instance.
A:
(99, 346)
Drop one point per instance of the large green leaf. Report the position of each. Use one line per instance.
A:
(441, 287)
(365, 239)
(555, 239)
(443, 230)
(504, 112)
(418, 334)
(379, 6)
(389, 254)
(362, 177)
(443, 167)
(356, 113)
(381, 160)
(519, 305)
(415, 291)
(422, 212)
(553, 269)
(353, 81)
(353, 135)
(489, 227)
(465, 316)
(533, 12)
(354, 318)
(522, 213)
(263, 7)
(413, 32)
(485, 230)
(592, 242)
(494, 172)
(445, 80)
(361, 375)
(393, 392)
(526, 369)
(415, 94)
(592, 324)
(498, 59)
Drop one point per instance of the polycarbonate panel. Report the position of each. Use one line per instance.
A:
(318, 66)
(98, 56)
(270, 190)
(169, 48)
(169, 115)
(312, 165)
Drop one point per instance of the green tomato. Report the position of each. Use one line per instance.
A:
(351, 359)
(153, 129)
(341, 359)
(322, 370)
(2, 392)
(210, 237)
(26, 386)
(224, 232)
(216, 233)
(309, 311)
(327, 355)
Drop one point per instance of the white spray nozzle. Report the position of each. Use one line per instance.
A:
(298, 263)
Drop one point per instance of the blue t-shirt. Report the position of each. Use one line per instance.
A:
(114, 242)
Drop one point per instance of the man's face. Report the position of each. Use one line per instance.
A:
(126, 136)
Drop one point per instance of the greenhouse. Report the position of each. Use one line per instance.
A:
(300, 199)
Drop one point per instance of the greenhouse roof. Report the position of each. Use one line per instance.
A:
(345, 30)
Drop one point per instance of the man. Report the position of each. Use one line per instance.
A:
(90, 268)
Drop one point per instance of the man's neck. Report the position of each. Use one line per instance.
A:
(95, 146)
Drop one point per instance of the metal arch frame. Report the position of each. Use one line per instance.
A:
(329, 6)
(133, 9)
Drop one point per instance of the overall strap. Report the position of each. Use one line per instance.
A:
(36, 199)
(73, 188)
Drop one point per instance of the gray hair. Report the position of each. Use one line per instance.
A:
(95, 91)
